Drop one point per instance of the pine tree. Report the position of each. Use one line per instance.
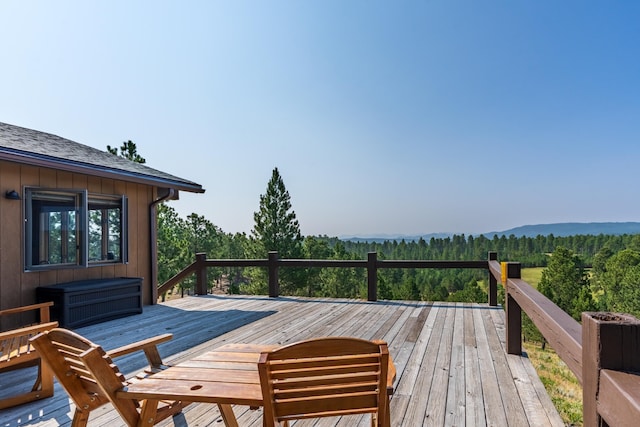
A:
(620, 282)
(128, 150)
(277, 229)
(565, 282)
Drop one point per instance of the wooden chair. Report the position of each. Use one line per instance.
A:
(16, 352)
(90, 377)
(325, 377)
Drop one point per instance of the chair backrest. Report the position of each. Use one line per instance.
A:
(324, 377)
(68, 354)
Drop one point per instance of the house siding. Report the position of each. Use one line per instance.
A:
(17, 287)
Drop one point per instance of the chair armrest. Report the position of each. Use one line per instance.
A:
(391, 373)
(25, 308)
(149, 346)
(391, 377)
(43, 307)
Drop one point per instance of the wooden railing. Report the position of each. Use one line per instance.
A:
(603, 352)
(273, 264)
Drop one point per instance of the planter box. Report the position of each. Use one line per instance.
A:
(87, 302)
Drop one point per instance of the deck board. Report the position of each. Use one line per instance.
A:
(455, 411)
(437, 398)
(475, 414)
(450, 358)
(494, 409)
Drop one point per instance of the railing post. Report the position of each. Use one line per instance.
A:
(609, 341)
(493, 283)
(201, 273)
(514, 313)
(372, 276)
(274, 285)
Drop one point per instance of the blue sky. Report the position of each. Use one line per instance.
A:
(383, 117)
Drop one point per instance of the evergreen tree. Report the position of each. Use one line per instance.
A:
(315, 248)
(129, 151)
(620, 282)
(277, 229)
(470, 293)
(204, 236)
(174, 251)
(565, 283)
(600, 260)
(235, 248)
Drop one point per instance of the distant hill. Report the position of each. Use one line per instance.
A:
(381, 238)
(571, 229)
(563, 229)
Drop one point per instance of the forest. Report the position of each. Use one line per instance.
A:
(581, 272)
(605, 267)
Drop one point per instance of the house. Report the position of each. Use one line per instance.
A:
(70, 212)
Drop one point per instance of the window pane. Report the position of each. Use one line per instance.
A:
(105, 229)
(55, 229)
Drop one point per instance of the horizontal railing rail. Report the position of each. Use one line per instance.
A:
(273, 264)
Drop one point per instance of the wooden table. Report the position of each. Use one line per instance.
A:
(226, 376)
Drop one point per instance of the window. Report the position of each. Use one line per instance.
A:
(66, 228)
(105, 229)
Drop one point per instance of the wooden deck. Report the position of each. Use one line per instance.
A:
(452, 366)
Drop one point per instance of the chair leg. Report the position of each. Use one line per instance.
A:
(273, 423)
(42, 387)
(80, 418)
(38, 383)
(387, 413)
(45, 378)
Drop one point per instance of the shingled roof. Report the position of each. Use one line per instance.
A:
(22, 145)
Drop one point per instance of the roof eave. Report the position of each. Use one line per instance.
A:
(100, 171)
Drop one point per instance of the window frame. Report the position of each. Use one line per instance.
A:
(82, 199)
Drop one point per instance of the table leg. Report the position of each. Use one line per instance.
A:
(228, 416)
(148, 413)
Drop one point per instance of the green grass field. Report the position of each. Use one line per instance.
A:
(532, 275)
(561, 385)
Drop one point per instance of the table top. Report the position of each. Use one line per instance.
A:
(227, 375)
